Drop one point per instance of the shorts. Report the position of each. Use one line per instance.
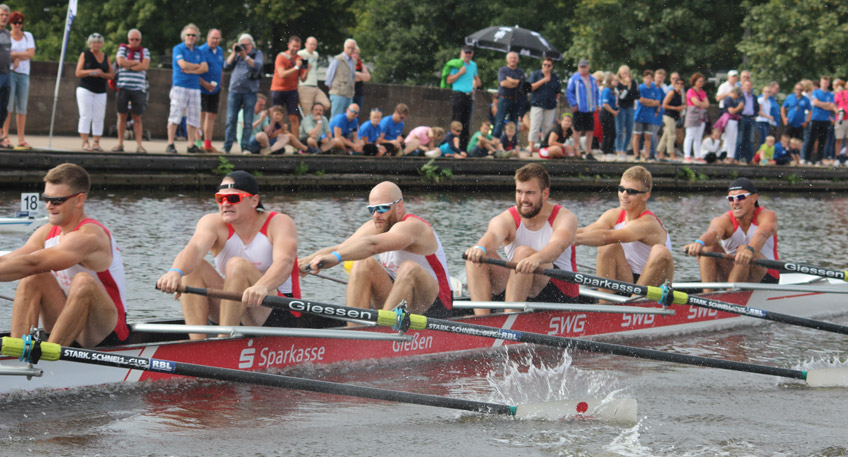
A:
(640, 128)
(438, 310)
(543, 153)
(184, 102)
(285, 98)
(390, 149)
(840, 131)
(127, 96)
(18, 92)
(369, 149)
(584, 122)
(282, 317)
(477, 151)
(769, 279)
(111, 340)
(549, 294)
(209, 102)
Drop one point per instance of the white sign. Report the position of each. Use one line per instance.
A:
(30, 203)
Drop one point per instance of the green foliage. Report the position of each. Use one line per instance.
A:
(301, 169)
(793, 178)
(690, 175)
(791, 40)
(319, 172)
(224, 167)
(431, 172)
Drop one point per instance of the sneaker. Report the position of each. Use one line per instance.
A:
(589, 157)
(171, 149)
(193, 149)
(212, 150)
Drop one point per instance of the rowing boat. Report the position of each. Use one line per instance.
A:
(277, 349)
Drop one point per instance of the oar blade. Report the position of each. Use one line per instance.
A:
(828, 377)
(619, 410)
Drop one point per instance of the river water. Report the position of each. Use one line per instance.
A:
(683, 410)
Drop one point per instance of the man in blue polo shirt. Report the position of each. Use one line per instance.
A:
(187, 66)
(463, 81)
(344, 127)
(796, 112)
(545, 89)
(392, 130)
(510, 79)
(647, 109)
(823, 107)
(210, 87)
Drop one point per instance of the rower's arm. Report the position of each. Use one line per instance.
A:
(192, 254)
(717, 231)
(74, 248)
(283, 236)
(401, 236)
(641, 229)
(311, 262)
(766, 228)
(592, 234)
(496, 234)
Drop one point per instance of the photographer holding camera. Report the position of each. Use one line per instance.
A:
(245, 61)
(289, 69)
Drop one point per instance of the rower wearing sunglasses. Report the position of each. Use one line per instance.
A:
(410, 263)
(70, 270)
(748, 231)
(254, 251)
(633, 245)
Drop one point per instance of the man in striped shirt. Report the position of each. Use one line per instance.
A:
(132, 60)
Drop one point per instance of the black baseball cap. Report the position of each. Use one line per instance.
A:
(243, 180)
(468, 48)
(743, 184)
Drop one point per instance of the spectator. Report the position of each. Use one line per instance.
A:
(545, 89)
(764, 117)
(823, 106)
(340, 79)
(274, 136)
(584, 97)
(289, 68)
(508, 142)
(608, 114)
(774, 110)
(711, 148)
(745, 139)
(765, 155)
(672, 108)
(727, 86)
(733, 105)
(796, 112)
(647, 108)
(560, 142)
(344, 127)
(391, 128)
(659, 81)
(308, 91)
(187, 65)
(627, 93)
(5, 65)
(210, 88)
(840, 99)
(361, 76)
(463, 80)
(315, 131)
(783, 151)
(245, 61)
(598, 130)
(93, 70)
(482, 143)
(449, 147)
(22, 52)
(510, 78)
(422, 139)
(795, 147)
(696, 115)
(133, 60)
(370, 133)
(745, 76)
(258, 121)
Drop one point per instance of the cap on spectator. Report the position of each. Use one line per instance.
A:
(732, 73)
(583, 63)
(468, 48)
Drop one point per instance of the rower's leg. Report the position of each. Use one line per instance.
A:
(714, 270)
(36, 295)
(89, 314)
(197, 309)
(659, 268)
(415, 285)
(748, 273)
(239, 275)
(612, 264)
(369, 284)
(523, 285)
(485, 280)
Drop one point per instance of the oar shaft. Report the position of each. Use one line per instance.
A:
(786, 266)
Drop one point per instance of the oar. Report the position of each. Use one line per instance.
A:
(676, 297)
(792, 267)
(619, 411)
(833, 289)
(828, 377)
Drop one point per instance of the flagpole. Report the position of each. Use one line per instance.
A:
(72, 7)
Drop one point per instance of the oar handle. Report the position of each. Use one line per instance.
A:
(215, 293)
(791, 267)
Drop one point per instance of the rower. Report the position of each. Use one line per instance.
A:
(633, 245)
(70, 270)
(535, 233)
(410, 266)
(254, 252)
(748, 232)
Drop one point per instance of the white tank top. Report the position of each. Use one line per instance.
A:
(436, 264)
(742, 238)
(259, 252)
(537, 240)
(112, 278)
(637, 252)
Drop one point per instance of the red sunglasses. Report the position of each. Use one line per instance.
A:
(231, 198)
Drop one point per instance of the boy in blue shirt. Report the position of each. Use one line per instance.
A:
(647, 109)
(450, 144)
(370, 132)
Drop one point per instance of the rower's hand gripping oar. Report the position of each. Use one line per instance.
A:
(791, 267)
(666, 295)
(830, 377)
(35, 350)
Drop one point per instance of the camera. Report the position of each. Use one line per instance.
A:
(841, 115)
(238, 48)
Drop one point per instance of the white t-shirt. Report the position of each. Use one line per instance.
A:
(312, 75)
(709, 145)
(765, 107)
(28, 42)
(725, 88)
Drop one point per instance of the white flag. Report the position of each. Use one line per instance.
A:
(72, 12)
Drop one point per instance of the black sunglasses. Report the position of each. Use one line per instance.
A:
(56, 201)
(631, 191)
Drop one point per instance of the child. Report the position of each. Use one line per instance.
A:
(560, 142)
(509, 142)
(369, 132)
(711, 146)
(482, 144)
(449, 146)
(421, 139)
(765, 156)
(274, 136)
(795, 146)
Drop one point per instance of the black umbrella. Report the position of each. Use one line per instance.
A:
(506, 39)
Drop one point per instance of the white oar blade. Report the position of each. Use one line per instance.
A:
(828, 377)
(621, 410)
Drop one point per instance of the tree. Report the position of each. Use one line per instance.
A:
(791, 40)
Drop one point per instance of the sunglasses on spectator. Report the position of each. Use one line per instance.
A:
(738, 198)
(17, 23)
(382, 208)
(353, 112)
(56, 201)
(547, 65)
(231, 198)
(190, 34)
(631, 191)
